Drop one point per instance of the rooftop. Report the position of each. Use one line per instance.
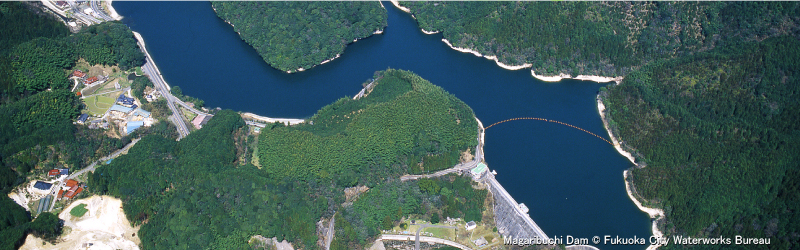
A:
(479, 169)
(120, 108)
(42, 185)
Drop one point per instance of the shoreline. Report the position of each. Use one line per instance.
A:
(396, 3)
(593, 78)
(113, 13)
(429, 32)
(143, 46)
(655, 214)
(494, 58)
(559, 77)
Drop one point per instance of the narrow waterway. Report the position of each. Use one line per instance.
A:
(571, 181)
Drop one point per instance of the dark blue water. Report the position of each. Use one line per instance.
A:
(571, 181)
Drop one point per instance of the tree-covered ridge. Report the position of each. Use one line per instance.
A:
(719, 133)
(18, 24)
(594, 38)
(298, 35)
(193, 194)
(41, 63)
(402, 120)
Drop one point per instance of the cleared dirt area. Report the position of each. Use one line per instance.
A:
(104, 226)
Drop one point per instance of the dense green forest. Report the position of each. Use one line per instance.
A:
(382, 207)
(41, 63)
(37, 108)
(195, 193)
(294, 35)
(600, 38)
(19, 24)
(719, 134)
(404, 119)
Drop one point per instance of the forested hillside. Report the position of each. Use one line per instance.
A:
(384, 134)
(42, 63)
(194, 193)
(601, 38)
(37, 108)
(298, 35)
(719, 134)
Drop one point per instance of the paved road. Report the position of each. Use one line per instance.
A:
(190, 108)
(423, 226)
(160, 85)
(97, 9)
(76, 12)
(454, 169)
(91, 167)
(152, 72)
(423, 239)
(110, 91)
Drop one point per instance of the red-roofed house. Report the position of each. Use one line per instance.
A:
(53, 172)
(78, 74)
(60, 194)
(72, 183)
(90, 80)
(72, 192)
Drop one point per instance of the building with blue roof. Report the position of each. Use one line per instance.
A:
(133, 125)
(124, 99)
(82, 118)
(42, 185)
(120, 108)
(141, 112)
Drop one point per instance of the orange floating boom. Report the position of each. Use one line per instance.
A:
(553, 121)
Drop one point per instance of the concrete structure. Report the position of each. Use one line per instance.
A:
(120, 108)
(200, 120)
(512, 218)
(133, 125)
(470, 225)
(478, 171)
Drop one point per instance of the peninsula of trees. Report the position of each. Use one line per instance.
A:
(292, 36)
(592, 38)
(200, 193)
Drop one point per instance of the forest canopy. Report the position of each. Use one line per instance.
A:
(718, 132)
(403, 119)
(298, 35)
(196, 192)
(600, 38)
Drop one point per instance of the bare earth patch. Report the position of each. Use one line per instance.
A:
(104, 226)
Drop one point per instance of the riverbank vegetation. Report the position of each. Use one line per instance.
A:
(294, 35)
(718, 132)
(593, 38)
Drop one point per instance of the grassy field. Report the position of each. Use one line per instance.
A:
(444, 233)
(188, 114)
(98, 105)
(78, 210)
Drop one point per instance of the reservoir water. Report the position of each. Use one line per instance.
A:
(571, 181)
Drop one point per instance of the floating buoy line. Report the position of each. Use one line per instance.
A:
(548, 120)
